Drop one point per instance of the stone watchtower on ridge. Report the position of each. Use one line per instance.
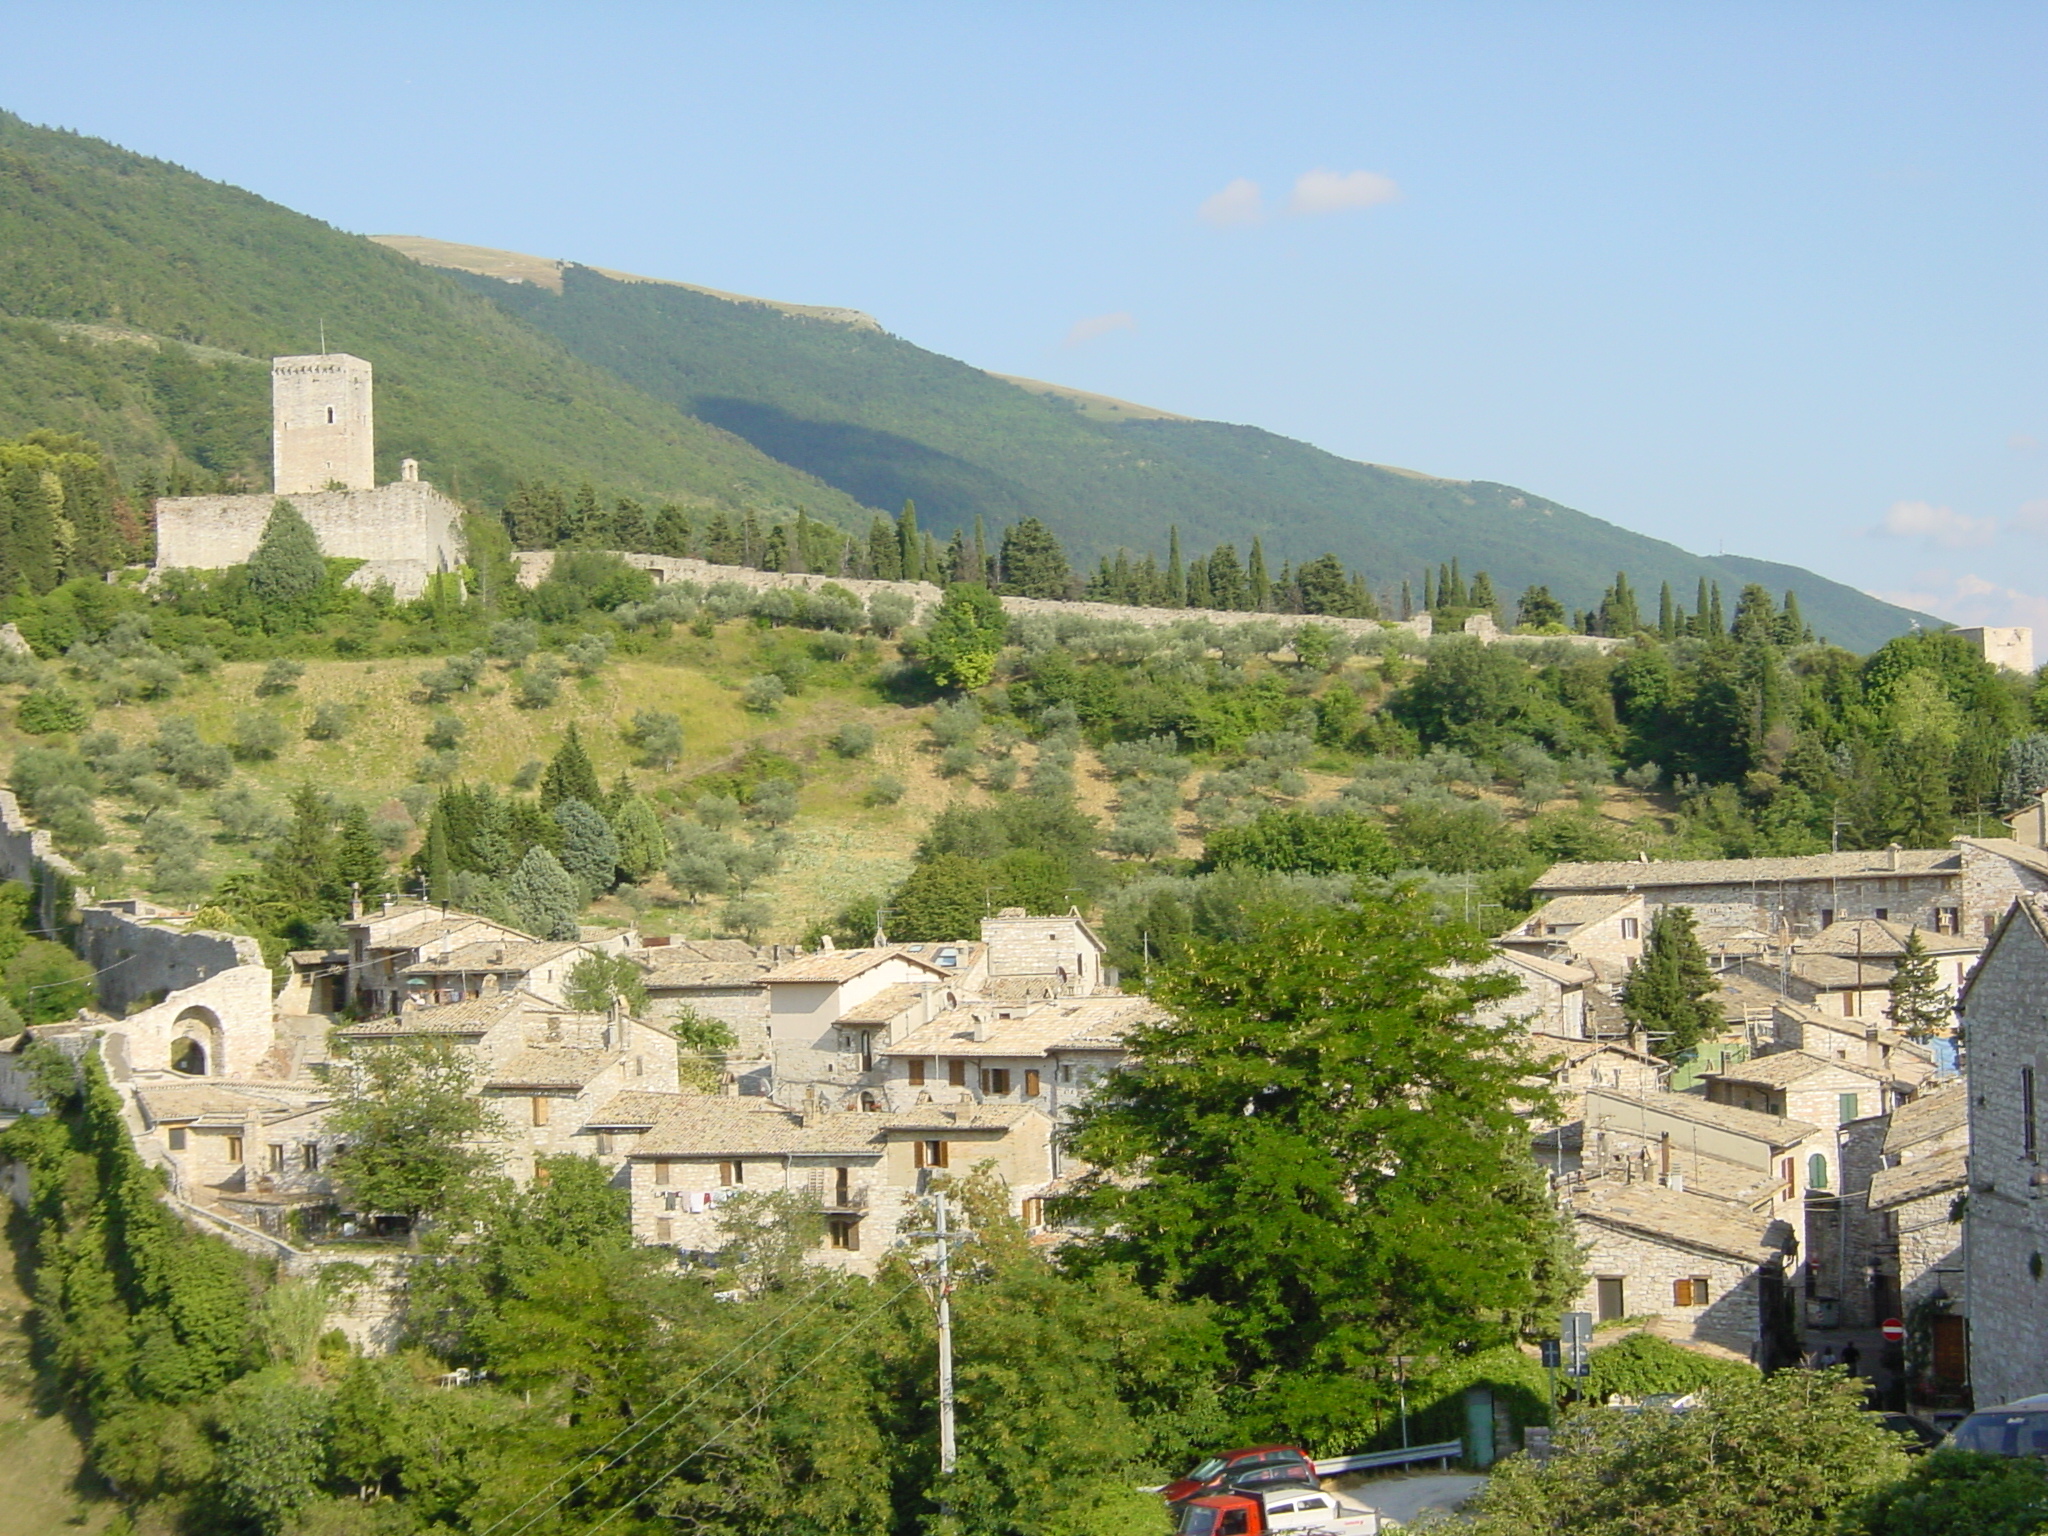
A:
(323, 455)
(322, 435)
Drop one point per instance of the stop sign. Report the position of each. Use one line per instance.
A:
(1894, 1331)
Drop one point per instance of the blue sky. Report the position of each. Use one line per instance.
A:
(1766, 278)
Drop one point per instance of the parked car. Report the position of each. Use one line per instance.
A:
(1299, 1510)
(1257, 1466)
(2012, 1429)
(1916, 1435)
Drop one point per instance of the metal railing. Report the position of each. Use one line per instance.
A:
(1445, 1451)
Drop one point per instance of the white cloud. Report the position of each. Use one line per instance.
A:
(1239, 203)
(1096, 326)
(2032, 517)
(1938, 525)
(1324, 191)
(1970, 599)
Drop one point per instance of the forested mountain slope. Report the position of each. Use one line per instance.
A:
(104, 252)
(883, 420)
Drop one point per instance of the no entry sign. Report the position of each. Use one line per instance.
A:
(1894, 1331)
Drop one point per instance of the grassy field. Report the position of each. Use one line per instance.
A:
(44, 1488)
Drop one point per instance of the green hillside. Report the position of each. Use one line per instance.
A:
(105, 255)
(884, 420)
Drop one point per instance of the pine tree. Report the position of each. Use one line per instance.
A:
(1176, 575)
(570, 775)
(1033, 563)
(359, 866)
(286, 568)
(981, 572)
(1199, 595)
(1670, 992)
(590, 853)
(751, 542)
(1482, 596)
(543, 897)
(1226, 578)
(297, 876)
(1257, 584)
(1921, 1007)
(440, 871)
(1756, 616)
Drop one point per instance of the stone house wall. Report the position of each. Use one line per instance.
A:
(1990, 885)
(2006, 1229)
(1929, 1246)
(1842, 1234)
(1649, 1270)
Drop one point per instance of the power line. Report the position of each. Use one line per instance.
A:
(610, 1447)
(795, 1376)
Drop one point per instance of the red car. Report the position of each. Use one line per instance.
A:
(1260, 1466)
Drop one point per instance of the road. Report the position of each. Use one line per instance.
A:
(1400, 1500)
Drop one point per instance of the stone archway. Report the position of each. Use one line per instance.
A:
(195, 1043)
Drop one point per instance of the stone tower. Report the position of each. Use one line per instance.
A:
(321, 430)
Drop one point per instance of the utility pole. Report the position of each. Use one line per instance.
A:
(946, 1446)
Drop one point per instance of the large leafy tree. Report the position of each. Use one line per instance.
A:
(1671, 989)
(1319, 1140)
(412, 1125)
(966, 636)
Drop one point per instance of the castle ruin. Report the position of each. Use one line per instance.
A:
(323, 461)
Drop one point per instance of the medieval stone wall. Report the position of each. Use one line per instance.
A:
(141, 955)
(408, 531)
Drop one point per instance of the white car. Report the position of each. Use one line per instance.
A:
(1311, 1510)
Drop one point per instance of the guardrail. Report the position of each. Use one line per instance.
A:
(1446, 1451)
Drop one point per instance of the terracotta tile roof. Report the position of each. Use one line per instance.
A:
(1619, 1108)
(1576, 1051)
(1874, 865)
(1550, 970)
(1921, 1177)
(884, 1006)
(1676, 1218)
(491, 956)
(957, 1117)
(843, 965)
(1943, 1112)
(560, 1066)
(703, 1125)
(473, 1016)
(1876, 939)
(199, 1101)
(682, 973)
(1781, 1069)
(1841, 973)
(634, 1109)
(1081, 1023)
(1571, 912)
(1740, 995)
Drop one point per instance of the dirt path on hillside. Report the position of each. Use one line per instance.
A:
(41, 1459)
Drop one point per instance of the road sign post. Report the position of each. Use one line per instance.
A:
(1894, 1331)
(1578, 1343)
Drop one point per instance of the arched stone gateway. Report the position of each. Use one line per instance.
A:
(195, 1043)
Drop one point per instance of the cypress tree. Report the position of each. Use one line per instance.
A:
(286, 568)
(440, 873)
(934, 568)
(1199, 595)
(1792, 628)
(570, 775)
(1176, 575)
(1259, 588)
(1666, 620)
(885, 551)
(1407, 600)
(1716, 625)
(752, 545)
(982, 573)
(911, 560)
(1428, 591)
(1443, 585)
(358, 861)
(1482, 592)
(1460, 598)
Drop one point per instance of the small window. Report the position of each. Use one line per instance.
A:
(540, 1109)
(1881, 913)
(929, 1154)
(234, 1149)
(1817, 1171)
(1827, 917)
(176, 1138)
(995, 1081)
(1689, 1293)
(1235, 1522)
(843, 1233)
(277, 1157)
(731, 1173)
(917, 1071)
(1948, 919)
(1846, 1104)
(330, 415)
(1034, 1212)
(1631, 927)
(604, 1143)
(309, 1157)
(1066, 1072)
(664, 1229)
(1031, 1083)
(2029, 1137)
(1785, 1172)
(956, 1073)
(664, 1172)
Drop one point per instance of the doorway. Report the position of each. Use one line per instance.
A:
(1608, 1299)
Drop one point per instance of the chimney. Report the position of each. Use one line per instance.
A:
(825, 944)
(1664, 1158)
(1891, 856)
(355, 901)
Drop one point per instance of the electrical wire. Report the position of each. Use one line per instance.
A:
(788, 1381)
(648, 1428)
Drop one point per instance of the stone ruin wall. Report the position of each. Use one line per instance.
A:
(407, 531)
(142, 953)
(534, 566)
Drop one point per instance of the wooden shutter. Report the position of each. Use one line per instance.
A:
(1031, 1082)
(540, 1109)
(956, 1073)
(917, 1071)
